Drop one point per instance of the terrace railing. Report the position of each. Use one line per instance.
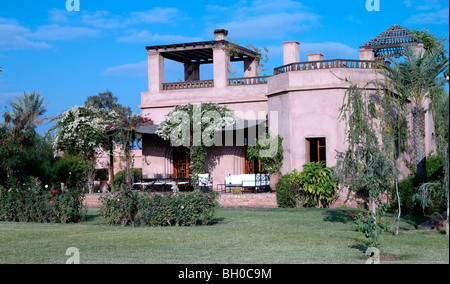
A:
(325, 64)
(188, 85)
(248, 81)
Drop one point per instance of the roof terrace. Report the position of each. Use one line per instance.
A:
(221, 53)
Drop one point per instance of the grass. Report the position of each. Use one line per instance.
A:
(239, 236)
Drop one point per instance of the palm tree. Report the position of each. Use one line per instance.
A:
(413, 78)
(30, 104)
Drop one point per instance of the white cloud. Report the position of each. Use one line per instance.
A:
(433, 17)
(271, 25)
(429, 5)
(138, 69)
(145, 36)
(172, 70)
(56, 32)
(7, 97)
(106, 20)
(330, 50)
(264, 19)
(155, 15)
(14, 36)
(59, 16)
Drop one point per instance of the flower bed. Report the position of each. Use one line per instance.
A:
(23, 202)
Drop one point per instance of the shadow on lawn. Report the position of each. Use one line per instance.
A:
(217, 221)
(340, 216)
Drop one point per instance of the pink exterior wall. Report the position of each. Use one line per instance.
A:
(156, 159)
(119, 161)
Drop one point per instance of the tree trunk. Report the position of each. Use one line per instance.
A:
(446, 224)
(91, 177)
(111, 163)
(419, 142)
(127, 166)
(399, 207)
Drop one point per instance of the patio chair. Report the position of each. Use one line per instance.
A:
(204, 181)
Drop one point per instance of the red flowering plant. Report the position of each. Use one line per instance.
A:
(372, 225)
(33, 201)
(124, 133)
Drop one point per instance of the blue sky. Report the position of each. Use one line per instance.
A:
(70, 55)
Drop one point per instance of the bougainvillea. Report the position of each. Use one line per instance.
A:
(82, 131)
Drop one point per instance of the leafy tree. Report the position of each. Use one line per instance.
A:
(70, 169)
(432, 42)
(24, 152)
(105, 102)
(262, 56)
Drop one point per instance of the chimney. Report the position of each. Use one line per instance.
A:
(366, 54)
(315, 57)
(291, 52)
(220, 34)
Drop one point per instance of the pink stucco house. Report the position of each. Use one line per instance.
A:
(301, 101)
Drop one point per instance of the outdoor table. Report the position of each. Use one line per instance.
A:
(162, 181)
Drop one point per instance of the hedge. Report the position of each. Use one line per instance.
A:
(166, 209)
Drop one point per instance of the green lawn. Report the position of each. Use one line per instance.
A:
(243, 235)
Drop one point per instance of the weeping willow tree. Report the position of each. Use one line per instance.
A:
(394, 131)
(368, 165)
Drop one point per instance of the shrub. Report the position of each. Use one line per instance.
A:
(310, 188)
(70, 169)
(120, 177)
(147, 209)
(435, 168)
(120, 207)
(23, 202)
(407, 190)
(286, 191)
(317, 184)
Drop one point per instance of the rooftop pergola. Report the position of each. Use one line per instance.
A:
(200, 52)
(391, 42)
(219, 51)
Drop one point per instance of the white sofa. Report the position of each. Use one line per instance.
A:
(255, 181)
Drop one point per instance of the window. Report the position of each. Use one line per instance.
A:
(316, 150)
